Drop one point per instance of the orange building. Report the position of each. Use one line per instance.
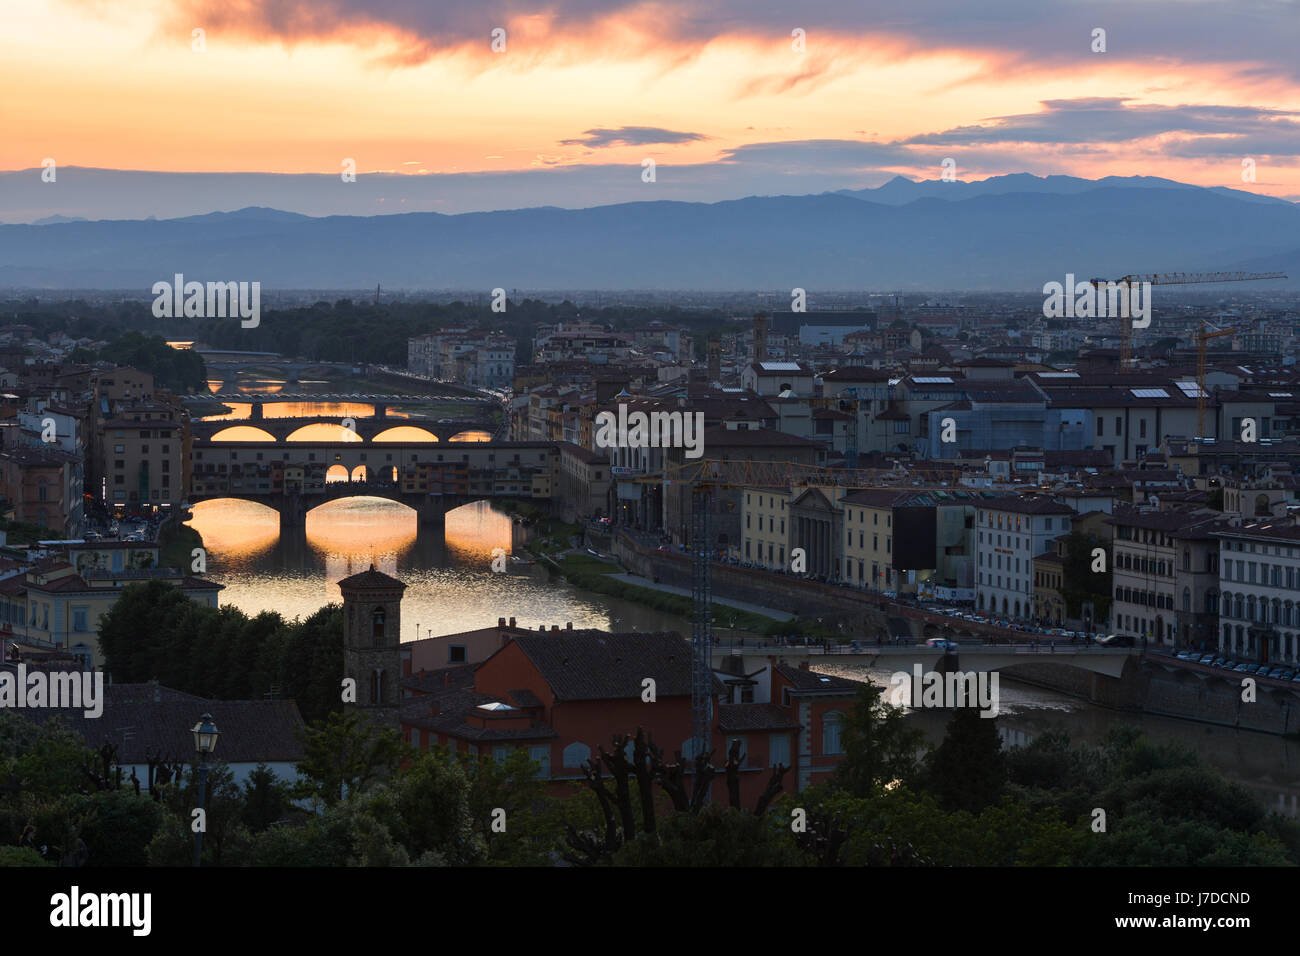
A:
(563, 694)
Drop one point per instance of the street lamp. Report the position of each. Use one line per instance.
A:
(205, 741)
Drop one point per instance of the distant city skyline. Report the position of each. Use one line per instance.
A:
(718, 93)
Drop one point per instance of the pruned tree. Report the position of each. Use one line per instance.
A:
(647, 767)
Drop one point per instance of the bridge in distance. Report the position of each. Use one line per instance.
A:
(431, 477)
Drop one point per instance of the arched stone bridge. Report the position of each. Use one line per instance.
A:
(294, 507)
(280, 430)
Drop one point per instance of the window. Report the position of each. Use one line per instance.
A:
(832, 732)
(499, 754)
(456, 654)
(541, 754)
(778, 750)
(744, 749)
(576, 754)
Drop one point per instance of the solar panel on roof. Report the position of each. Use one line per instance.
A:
(1192, 390)
(1149, 393)
(933, 381)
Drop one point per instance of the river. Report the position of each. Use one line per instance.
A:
(451, 586)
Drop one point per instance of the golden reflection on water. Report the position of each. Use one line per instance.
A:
(242, 530)
(404, 433)
(323, 432)
(451, 586)
(243, 433)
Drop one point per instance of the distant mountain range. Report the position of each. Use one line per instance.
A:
(1010, 233)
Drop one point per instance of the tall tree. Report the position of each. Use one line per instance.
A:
(967, 770)
(879, 746)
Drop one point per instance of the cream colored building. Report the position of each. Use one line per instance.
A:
(764, 534)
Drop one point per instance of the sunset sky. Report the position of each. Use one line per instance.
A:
(713, 90)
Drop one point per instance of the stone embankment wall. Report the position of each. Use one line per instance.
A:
(1153, 687)
(807, 599)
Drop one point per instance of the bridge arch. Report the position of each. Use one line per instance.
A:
(323, 432)
(243, 433)
(471, 435)
(401, 433)
(359, 473)
(337, 473)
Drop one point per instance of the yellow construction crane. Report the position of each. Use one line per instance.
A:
(1169, 278)
(1203, 337)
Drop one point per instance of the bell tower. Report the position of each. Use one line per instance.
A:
(372, 618)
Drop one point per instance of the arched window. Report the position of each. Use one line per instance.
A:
(375, 686)
(832, 730)
(576, 754)
(377, 625)
(1187, 599)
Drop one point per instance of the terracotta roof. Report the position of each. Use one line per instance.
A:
(595, 665)
(739, 717)
(1027, 504)
(143, 719)
(807, 681)
(371, 579)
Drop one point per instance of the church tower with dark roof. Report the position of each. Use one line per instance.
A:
(372, 618)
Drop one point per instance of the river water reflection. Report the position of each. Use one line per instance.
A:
(450, 584)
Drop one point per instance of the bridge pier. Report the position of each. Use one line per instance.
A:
(255, 413)
(432, 514)
(293, 515)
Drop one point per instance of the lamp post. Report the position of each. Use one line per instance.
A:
(205, 741)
